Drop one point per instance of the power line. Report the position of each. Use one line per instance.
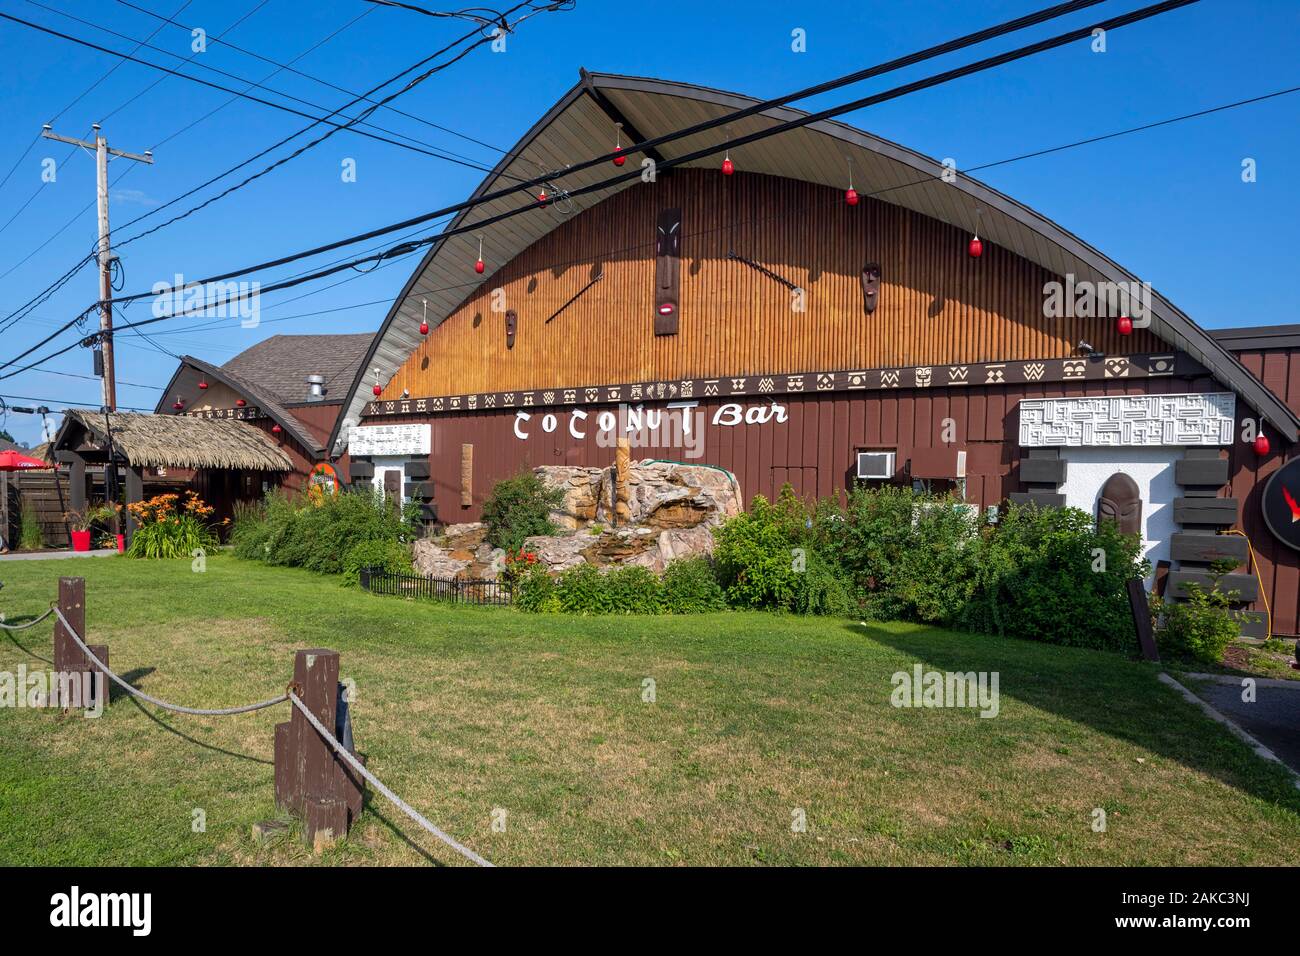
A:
(364, 114)
(928, 82)
(316, 79)
(62, 401)
(415, 145)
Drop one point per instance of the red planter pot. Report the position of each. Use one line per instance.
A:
(81, 541)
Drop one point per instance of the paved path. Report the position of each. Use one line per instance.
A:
(55, 555)
(1273, 718)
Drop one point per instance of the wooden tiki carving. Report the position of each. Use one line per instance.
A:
(870, 287)
(1121, 502)
(668, 270)
(512, 323)
(622, 467)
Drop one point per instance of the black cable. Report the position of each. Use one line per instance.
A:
(798, 122)
(361, 116)
(635, 174)
(416, 145)
(316, 79)
(61, 401)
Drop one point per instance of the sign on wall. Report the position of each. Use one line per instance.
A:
(1132, 420)
(1281, 504)
(390, 440)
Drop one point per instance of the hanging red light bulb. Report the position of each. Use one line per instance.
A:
(1124, 325)
(478, 266)
(276, 429)
(619, 158)
(240, 403)
(976, 248)
(178, 404)
(1262, 445)
(728, 167)
(424, 320)
(377, 390)
(541, 196)
(851, 194)
(203, 385)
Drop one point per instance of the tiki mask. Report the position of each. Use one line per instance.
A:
(668, 270)
(1121, 502)
(870, 287)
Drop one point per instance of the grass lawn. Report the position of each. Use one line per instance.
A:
(466, 710)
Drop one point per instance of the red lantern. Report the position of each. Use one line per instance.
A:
(976, 248)
(541, 196)
(377, 390)
(239, 402)
(276, 429)
(619, 158)
(1262, 446)
(424, 328)
(728, 167)
(178, 405)
(851, 196)
(203, 385)
(1124, 325)
(479, 267)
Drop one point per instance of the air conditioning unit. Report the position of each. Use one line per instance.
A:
(876, 464)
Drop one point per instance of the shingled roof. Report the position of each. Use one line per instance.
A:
(280, 365)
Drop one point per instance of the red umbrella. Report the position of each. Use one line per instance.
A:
(13, 461)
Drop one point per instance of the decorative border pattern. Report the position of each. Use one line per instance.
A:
(1099, 368)
(247, 413)
(1107, 421)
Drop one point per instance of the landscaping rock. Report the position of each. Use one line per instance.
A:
(434, 561)
(660, 494)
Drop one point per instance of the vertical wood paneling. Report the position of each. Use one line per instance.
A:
(937, 305)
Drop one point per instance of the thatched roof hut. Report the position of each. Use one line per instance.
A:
(180, 441)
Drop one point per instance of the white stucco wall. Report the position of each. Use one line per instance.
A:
(1152, 469)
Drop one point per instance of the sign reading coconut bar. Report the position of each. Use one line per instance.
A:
(1141, 420)
(371, 440)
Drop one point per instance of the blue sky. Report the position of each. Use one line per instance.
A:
(1169, 204)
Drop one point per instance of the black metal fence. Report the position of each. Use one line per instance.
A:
(379, 581)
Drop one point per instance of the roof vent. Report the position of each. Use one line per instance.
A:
(315, 388)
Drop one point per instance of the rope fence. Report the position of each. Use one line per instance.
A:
(309, 768)
(24, 626)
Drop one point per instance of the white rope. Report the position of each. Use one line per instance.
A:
(197, 711)
(23, 627)
(397, 801)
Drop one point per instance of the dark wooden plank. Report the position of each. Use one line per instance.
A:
(1137, 600)
(1246, 584)
(1188, 546)
(1201, 471)
(1046, 471)
(1208, 511)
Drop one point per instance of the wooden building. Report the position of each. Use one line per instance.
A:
(290, 387)
(925, 328)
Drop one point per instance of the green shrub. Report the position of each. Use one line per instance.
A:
(169, 526)
(760, 554)
(820, 589)
(634, 590)
(583, 590)
(690, 586)
(519, 507)
(289, 529)
(1048, 574)
(535, 591)
(1202, 626)
(391, 556)
(29, 527)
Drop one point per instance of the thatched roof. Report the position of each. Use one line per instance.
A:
(179, 441)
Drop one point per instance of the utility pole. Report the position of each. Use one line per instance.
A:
(102, 152)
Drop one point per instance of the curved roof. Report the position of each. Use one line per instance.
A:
(582, 122)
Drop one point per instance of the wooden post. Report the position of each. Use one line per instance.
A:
(622, 468)
(310, 778)
(134, 493)
(466, 475)
(68, 657)
(1137, 600)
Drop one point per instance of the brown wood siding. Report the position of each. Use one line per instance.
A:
(937, 305)
(1279, 566)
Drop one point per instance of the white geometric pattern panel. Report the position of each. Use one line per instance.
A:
(1144, 420)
